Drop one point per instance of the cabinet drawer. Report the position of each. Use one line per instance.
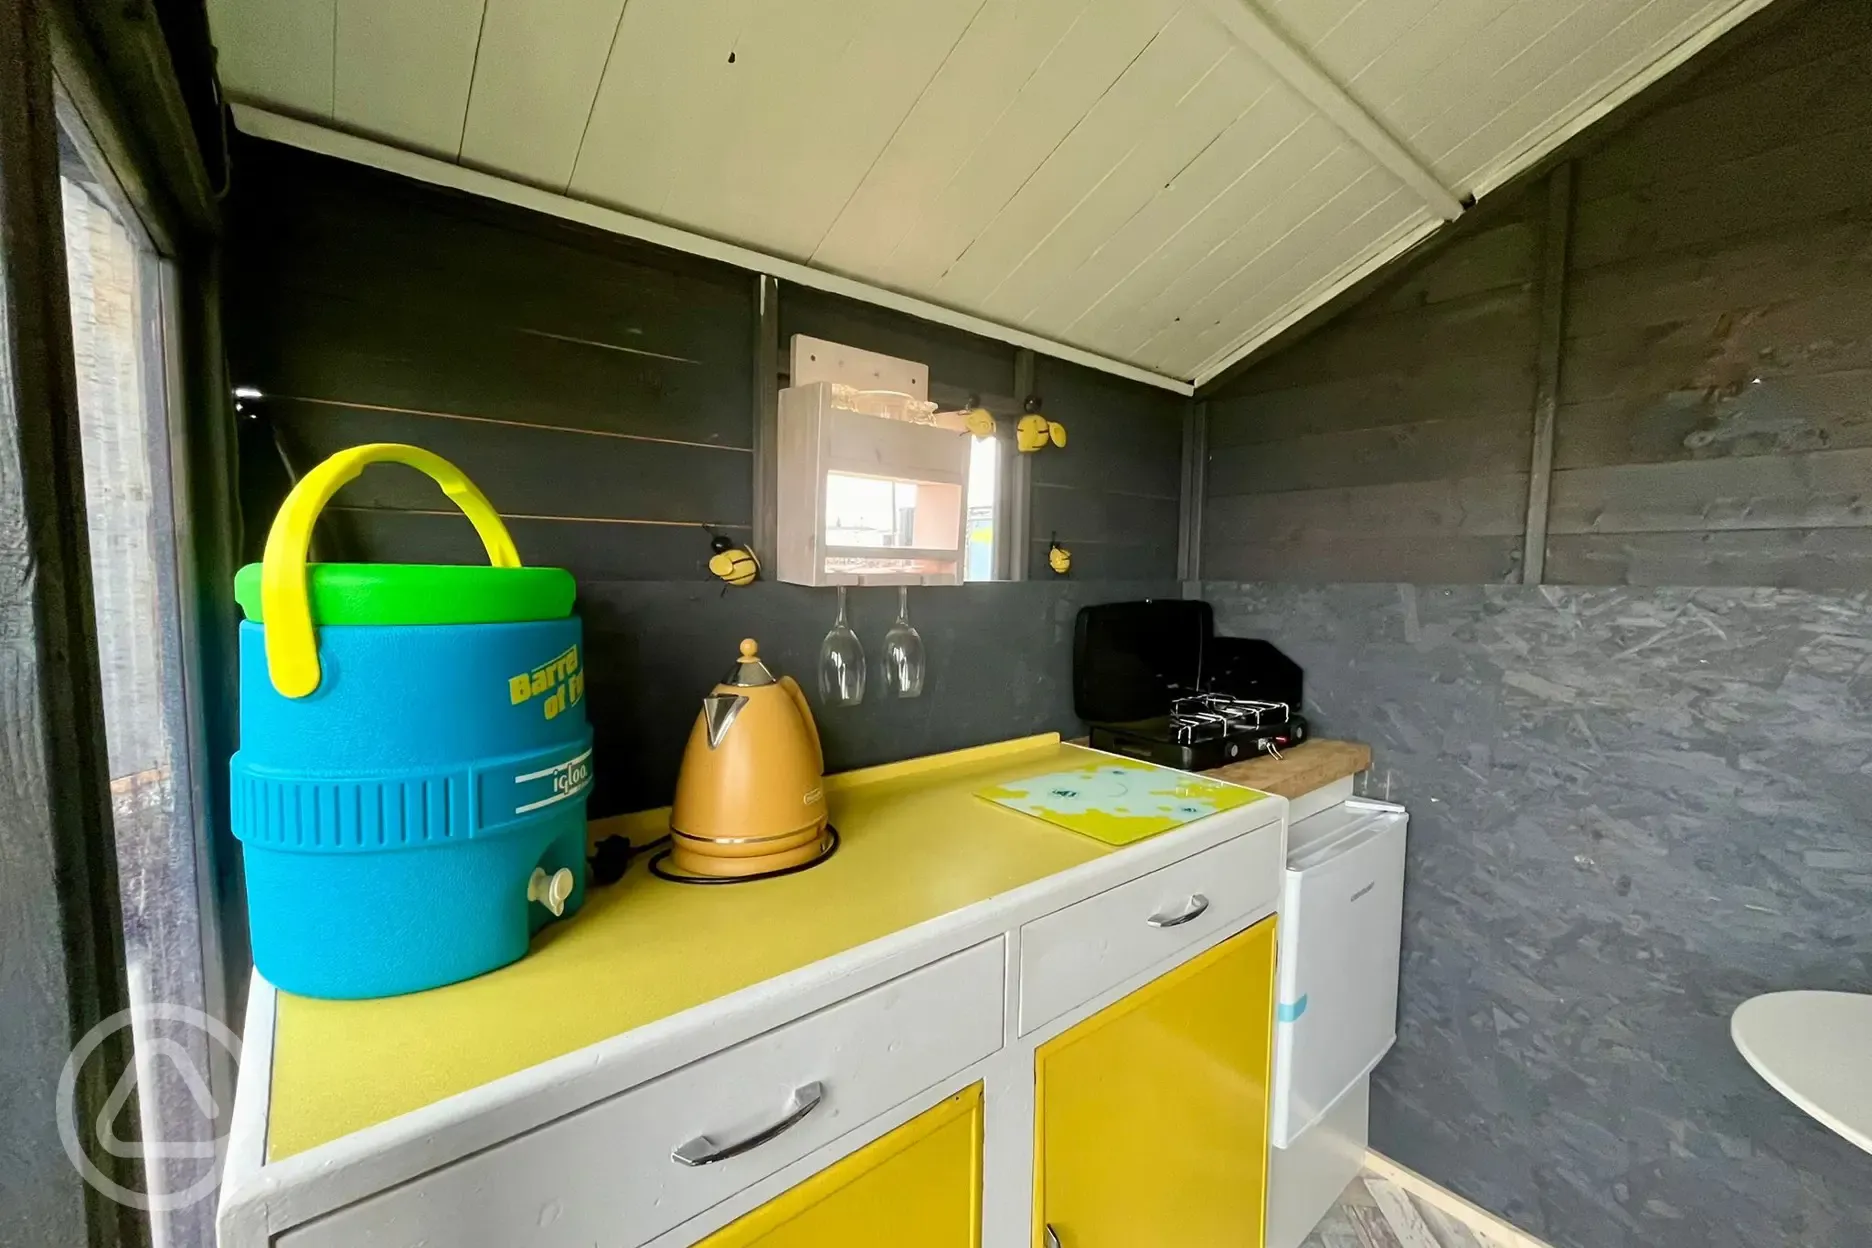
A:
(607, 1174)
(1070, 957)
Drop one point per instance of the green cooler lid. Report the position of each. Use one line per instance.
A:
(422, 593)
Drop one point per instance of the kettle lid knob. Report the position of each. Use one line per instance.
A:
(748, 670)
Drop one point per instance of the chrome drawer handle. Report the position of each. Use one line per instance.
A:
(703, 1150)
(1052, 1237)
(1192, 909)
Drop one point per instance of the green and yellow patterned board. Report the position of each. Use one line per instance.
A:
(1118, 801)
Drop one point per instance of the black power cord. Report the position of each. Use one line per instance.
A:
(612, 858)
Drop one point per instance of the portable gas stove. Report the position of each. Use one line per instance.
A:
(1206, 730)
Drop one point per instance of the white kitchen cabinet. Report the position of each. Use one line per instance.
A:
(681, 1144)
(946, 951)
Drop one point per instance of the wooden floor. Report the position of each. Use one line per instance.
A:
(1374, 1212)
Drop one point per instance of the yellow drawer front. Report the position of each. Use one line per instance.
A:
(918, 1187)
(1152, 1115)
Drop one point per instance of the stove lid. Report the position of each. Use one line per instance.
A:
(1131, 659)
(1250, 668)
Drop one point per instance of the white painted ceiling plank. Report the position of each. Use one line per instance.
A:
(1315, 161)
(662, 90)
(1219, 100)
(1323, 264)
(1387, 253)
(1182, 308)
(783, 54)
(1512, 163)
(277, 51)
(1081, 69)
(1358, 216)
(403, 70)
(1177, 63)
(1351, 224)
(342, 145)
(1540, 44)
(1462, 76)
(982, 76)
(1605, 63)
(1269, 145)
(535, 79)
(1421, 54)
(1310, 19)
(821, 100)
(1365, 244)
(1346, 49)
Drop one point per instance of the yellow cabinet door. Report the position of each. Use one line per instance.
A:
(918, 1187)
(1151, 1117)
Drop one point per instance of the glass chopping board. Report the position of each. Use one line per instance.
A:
(1118, 801)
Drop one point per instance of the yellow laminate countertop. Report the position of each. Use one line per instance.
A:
(917, 844)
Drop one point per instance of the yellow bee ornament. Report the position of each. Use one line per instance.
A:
(1035, 431)
(735, 565)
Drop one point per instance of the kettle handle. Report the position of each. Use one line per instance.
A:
(812, 728)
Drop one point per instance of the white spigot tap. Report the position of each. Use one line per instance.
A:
(552, 890)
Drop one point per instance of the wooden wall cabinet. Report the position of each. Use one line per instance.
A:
(865, 499)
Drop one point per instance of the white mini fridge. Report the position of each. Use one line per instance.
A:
(1342, 915)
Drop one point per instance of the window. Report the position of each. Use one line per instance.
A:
(983, 491)
(870, 511)
(122, 310)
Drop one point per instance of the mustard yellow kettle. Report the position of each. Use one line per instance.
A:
(750, 798)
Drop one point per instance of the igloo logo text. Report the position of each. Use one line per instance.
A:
(177, 1172)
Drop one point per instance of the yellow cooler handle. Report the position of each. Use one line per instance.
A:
(291, 647)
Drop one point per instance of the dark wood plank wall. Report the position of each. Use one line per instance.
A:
(1715, 425)
(1110, 497)
(1715, 388)
(598, 392)
(601, 393)
(1392, 444)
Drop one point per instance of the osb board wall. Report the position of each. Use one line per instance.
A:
(601, 393)
(1632, 808)
(1715, 391)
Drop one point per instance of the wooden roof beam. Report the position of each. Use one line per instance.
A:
(1251, 28)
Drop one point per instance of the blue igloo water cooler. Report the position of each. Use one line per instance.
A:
(410, 788)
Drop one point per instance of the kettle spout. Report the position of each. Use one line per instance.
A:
(718, 712)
